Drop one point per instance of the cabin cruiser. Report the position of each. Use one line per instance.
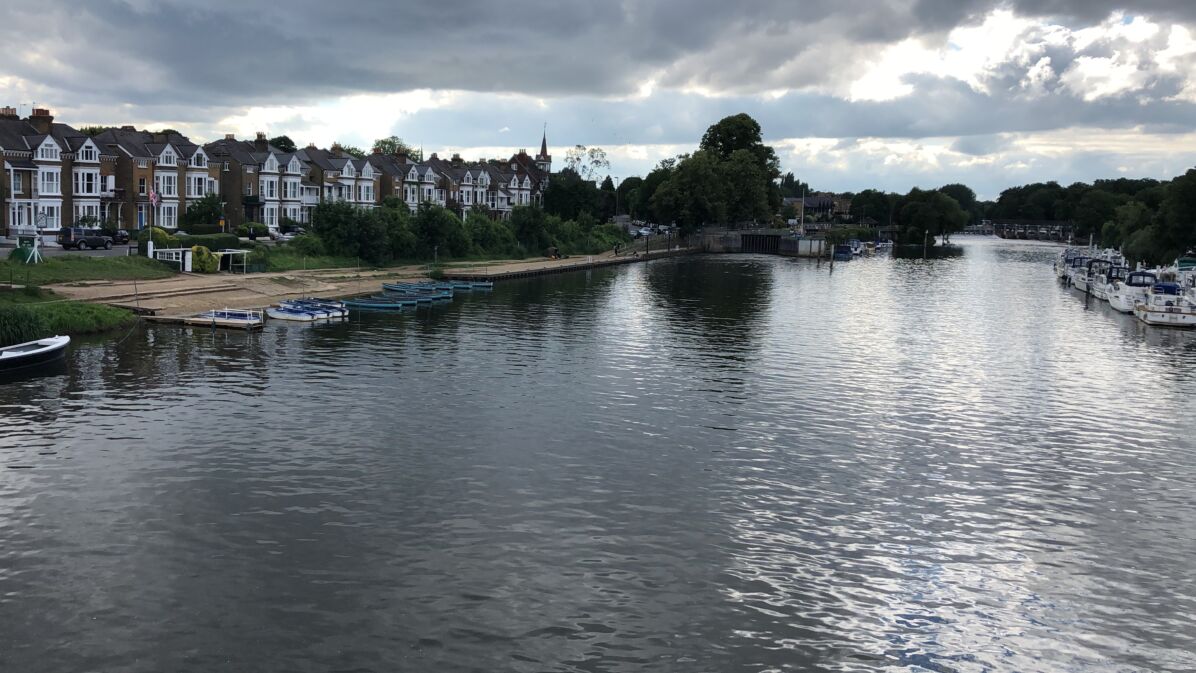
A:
(1063, 262)
(1085, 277)
(1073, 267)
(1123, 294)
(1105, 280)
(1165, 305)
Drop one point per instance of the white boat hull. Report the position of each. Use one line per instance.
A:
(1169, 316)
(276, 314)
(1123, 299)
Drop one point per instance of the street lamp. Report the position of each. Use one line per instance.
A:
(616, 181)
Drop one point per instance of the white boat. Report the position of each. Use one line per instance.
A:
(1063, 262)
(1105, 280)
(295, 314)
(1165, 305)
(1083, 276)
(329, 308)
(32, 353)
(235, 318)
(1073, 266)
(1123, 294)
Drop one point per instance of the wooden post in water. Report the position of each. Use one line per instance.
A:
(925, 239)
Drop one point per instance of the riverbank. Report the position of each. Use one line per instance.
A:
(79, 268)
(47, 313)
(183, 294)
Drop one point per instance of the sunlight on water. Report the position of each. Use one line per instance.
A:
(715, 463)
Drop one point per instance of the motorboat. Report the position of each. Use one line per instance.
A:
(1105, 279)
(33, 353)
(1123, 294)
(1063, 262)
(232, 318)
(1083, 277)
(842, 253)
(1165, 305)
(1073, 266)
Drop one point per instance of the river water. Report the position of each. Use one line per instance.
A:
(731, 463)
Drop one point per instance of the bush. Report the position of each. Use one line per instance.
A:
(307, 244)
(19, 324)
(160, 237)
(439, 232)
(258, 228)
(212, 241)
(491, 237)
(349, 231)
(200, 229)
(19, 255)
(203, 261)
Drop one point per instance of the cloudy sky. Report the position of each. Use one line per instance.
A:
(853, 93)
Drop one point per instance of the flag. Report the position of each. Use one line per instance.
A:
(154, 198)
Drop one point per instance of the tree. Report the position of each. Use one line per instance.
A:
(930, 214)
(283, 143)
(399, 236)
(569, 194)
(874, 204)
(624, 191)
(587, 162)
(745, 188)
(791, 187)
(355, 152)
(395, 145)
(440, 233)
(207, 210)
(350, 231)
(1178, 218)
(531, 227)
(694, 195)
(490, 236)
(741, 132)
(92, 131)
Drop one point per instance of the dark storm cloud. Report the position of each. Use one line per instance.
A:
(211, 52)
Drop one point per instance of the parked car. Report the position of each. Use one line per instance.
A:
(83, 239)
(118, 236)
(644, 232)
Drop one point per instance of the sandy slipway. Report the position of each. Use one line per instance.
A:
(190, 293)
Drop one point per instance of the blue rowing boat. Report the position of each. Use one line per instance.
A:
(380, 303)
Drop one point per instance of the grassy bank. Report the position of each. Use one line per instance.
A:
(285, 260)
(74, 268)
(31, 313)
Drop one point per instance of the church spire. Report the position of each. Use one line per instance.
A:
(544, 142)
(543, 161)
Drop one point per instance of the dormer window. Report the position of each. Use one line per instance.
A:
(199, 160)
(87, 153)
(48, 152)
(167, 159)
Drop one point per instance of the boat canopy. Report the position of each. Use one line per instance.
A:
(1141, 279)
(1166, 288)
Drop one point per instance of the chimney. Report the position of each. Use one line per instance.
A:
(160, 138)
(9, 113)
(311, 146)
(260, 143)
(433, 157)
(456, 160)
(230, 136)
(404, 158)
(41, 119)
(128, 128)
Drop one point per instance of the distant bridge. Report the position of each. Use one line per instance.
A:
(1034, 230)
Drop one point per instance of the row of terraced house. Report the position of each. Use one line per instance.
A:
(55, 175)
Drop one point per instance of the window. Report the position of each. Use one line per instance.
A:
(270, 215)
(87, 182)
(49, 217)
(248, 189)
(197, 186)
(226, 167)
(168, 215)
(141, 186)
(167, 159)
(88, 210)
(269, 188)
(167, 185)
(199, 160)
(48, 152)
(17, 185)
(87, 154)
(51, 181)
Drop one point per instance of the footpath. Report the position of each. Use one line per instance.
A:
(188, 293)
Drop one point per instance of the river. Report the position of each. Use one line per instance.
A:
(719, 463)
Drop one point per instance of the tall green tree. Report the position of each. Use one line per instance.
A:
(740, 132)
(587, 162)
(283, 143)
(569, 194)
(355, 152)
(351, 231)
(929, 214)
(393, 145)
(206, 210)
(694, 195)
(440, 233)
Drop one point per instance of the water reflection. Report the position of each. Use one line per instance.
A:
(715, 463)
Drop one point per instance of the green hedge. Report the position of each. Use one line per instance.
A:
(19, 324)
(200, 229)
(211, 241)
(258, 227)
(161, 238)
